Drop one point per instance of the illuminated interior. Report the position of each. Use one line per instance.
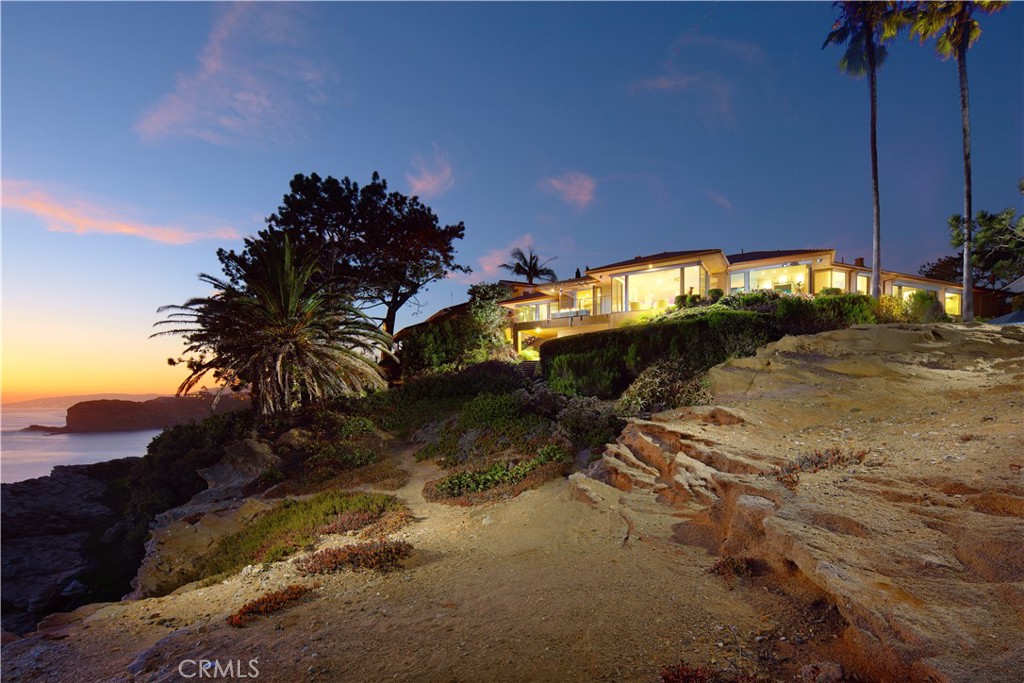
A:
(737, 282)
(829, 278)
(863, 284)
(656, 289)
(792, 279)
(528, 313)
(952, 303)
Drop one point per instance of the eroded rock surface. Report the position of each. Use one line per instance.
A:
(181, 536)
(57, 532)
(918, 539)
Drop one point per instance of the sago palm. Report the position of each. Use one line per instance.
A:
(955, 29)
(864, 27)
(529, 265)
(291, 340)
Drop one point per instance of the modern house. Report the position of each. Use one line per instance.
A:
(607, 296)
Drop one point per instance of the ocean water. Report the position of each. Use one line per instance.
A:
(25, 455)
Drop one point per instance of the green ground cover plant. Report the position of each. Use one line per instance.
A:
(285, 530)
(502, 472)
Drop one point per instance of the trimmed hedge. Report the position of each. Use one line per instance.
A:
(604, 363)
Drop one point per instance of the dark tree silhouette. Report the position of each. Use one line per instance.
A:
(382, 247)
(279, 330)
(529, 265)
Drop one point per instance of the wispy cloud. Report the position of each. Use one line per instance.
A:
(709, 91)
(81, 217)
(433, 178)
(253, 80)
(572, 188)
(719, 199)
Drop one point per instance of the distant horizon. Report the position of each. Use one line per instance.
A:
(78, 398)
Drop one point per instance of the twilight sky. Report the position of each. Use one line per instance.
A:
(137, 138)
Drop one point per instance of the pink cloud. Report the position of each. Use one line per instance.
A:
(80, 217)
(252, 81)
(709, 91)
(431, 180)
(489, 265)
(572, 188)
(719, 199)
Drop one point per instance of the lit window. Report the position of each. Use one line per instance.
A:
(952, 304)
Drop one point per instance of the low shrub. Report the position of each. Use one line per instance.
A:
(831, 291)
(891, 309)
(284, 530)
(380, 556)
(489, 410)
(267, 603)
(666, 384)
(830, 458)
(461, 483)
(353, 520)
(844, 310)
(925, 307)
(329, 457)
(759, 301)
(405, 408)
(714, 294)
(587, 422)
(597, 372)
(529, 355)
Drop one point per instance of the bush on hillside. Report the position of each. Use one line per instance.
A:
(604, 363)
(588, 423)
(405, 408)
(666, 384)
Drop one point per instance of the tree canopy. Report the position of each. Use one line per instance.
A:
(278, 329)
(530, 266)
(382, 247)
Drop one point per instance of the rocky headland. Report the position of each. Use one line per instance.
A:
(850, 508)
(115, 415)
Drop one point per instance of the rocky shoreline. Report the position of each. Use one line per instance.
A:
(61, 534)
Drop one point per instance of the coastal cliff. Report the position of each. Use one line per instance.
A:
(116, 415)
(61, 540)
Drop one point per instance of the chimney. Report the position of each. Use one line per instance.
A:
(859, 261)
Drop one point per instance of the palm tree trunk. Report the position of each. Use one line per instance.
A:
(876, 235)
(967, 296)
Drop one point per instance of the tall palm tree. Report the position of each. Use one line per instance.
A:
(955, 29)
(865, 27)
(530, 266)
(281, 331)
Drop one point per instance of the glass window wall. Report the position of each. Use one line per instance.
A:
(656, 289)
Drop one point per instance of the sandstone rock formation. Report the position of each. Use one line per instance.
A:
(914, 529)
(58, 531)
(184, 534)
